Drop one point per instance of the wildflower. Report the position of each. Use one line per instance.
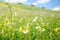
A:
(35, 19)
(20, 29)
(57, 29)
(25, 31)
(37, 27)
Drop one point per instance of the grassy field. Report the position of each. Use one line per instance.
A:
(28, 23)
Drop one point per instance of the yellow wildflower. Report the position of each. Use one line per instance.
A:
(20, 29)
(57, 29)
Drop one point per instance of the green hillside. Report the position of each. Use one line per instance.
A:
(21, 22)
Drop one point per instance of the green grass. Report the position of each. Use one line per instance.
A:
(28, 23)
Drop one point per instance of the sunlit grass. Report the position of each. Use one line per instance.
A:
(29, 24)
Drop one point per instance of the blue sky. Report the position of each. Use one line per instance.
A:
(49, 4)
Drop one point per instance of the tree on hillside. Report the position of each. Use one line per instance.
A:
(32, 5)
(20, 3)
(43, 7)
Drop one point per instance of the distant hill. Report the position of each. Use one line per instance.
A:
(20, 8)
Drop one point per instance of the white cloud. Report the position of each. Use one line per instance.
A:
(16, 1)
(41, 2)
(35, 3)
(56, 8)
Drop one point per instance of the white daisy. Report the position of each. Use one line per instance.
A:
(25, 31)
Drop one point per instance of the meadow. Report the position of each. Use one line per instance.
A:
(28, 23)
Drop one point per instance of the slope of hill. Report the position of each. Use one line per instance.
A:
(22, 22)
